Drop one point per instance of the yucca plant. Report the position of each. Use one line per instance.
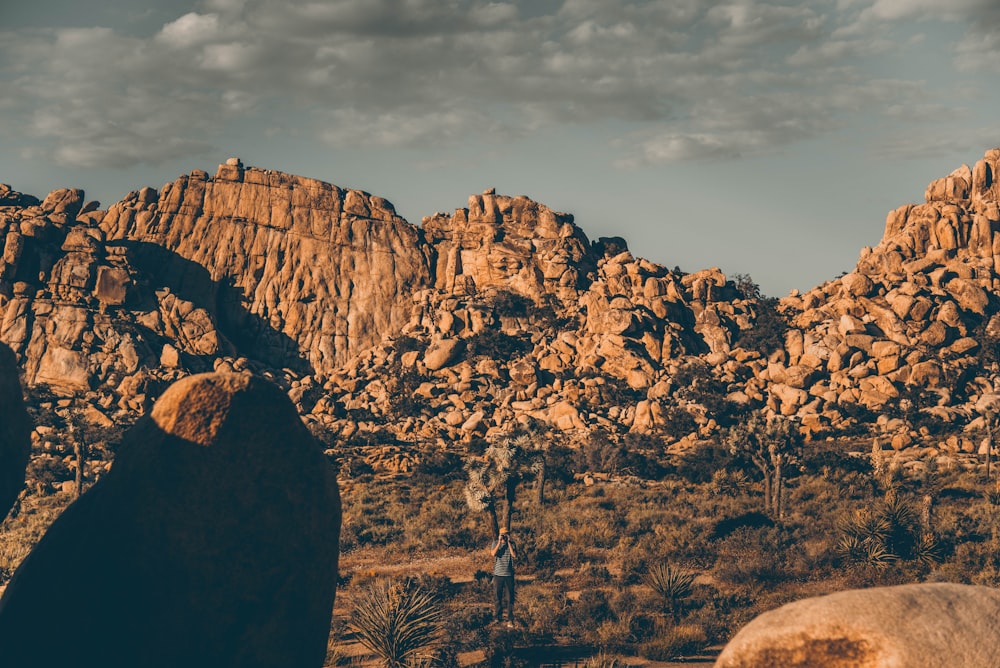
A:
(401, 623)
(877, 556)
(927, 550)
(992, 494)
(672, 584)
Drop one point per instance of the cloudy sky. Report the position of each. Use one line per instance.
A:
(764, 137)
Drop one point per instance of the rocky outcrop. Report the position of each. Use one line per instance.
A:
(928, 625)
(300, 270)
(15, 445)
(500, 314)
(909, 321)
(212, 541)
(509, 243)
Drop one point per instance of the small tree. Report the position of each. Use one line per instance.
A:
(493, 477)
(770, 444)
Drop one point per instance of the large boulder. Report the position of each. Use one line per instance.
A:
(928, 625)
(212, 542)
(15, 441)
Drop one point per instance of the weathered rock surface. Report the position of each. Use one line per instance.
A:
(15, 444)
(503, 310)
(212, 541)
(928, 625)
(316, 272)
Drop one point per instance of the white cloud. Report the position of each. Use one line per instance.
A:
(189, 30)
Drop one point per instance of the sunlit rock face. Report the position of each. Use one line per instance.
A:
(928, 625)
(312, 270)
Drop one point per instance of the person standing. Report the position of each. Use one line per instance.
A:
(504, 554)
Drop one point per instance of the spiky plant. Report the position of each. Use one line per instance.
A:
(671, 583)
(992, 494)
(867, 527)
(400, 623)
(897, 512)
(877, 556)
(927, 550)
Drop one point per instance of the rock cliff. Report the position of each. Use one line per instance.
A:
(502, 313)
(317, 273)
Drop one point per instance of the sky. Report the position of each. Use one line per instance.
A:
(763, 137)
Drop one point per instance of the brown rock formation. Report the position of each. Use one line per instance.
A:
(323, 273)
(928, 625)
(15, 446)
(212, 541)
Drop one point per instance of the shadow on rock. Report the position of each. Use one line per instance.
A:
(250, 334)
(15, 436)
(212, 542)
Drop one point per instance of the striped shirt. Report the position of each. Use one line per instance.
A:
(504, 562)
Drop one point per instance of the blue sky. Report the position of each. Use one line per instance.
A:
(763, 137)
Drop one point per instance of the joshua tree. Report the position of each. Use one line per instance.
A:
(770, 444)
(495, 475)
(988, 406)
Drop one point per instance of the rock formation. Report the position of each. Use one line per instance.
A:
(212, 541)
(500, 314)
(15, 444)
(927, 625)
(317, 272)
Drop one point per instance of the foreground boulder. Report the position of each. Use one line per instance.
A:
(212, 542)
(928, 625)
(15, 442)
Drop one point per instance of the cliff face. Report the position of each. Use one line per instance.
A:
(499, 314)
(82, 317)
(323, 272)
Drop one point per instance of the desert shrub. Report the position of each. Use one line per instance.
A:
(591, 574)
(507, 303)
(400, 623)
(20, 532)
(674, 642)
(586, 613)
(767, 333)
(833, 463)
(752, 557)
(495, 344)
(678, 421)
(439, 466)
(543, 609)
(878, 538)
(700, 464)
(406, 344)
(603, 660)
(753, 520)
